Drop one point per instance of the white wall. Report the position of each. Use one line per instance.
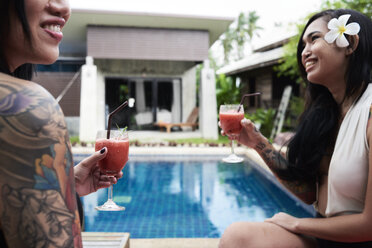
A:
(92, 102)
(188, 92)
(208, 103)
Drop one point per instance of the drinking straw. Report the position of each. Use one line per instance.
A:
(247, 95)
(110, 116)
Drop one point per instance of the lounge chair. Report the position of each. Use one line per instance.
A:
(190, 122)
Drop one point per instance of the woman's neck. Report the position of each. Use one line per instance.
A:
(338, 91)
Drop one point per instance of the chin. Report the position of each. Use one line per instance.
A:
(48, 60)
(313, 79)
(47, 56)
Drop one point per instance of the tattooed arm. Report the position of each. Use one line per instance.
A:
(37, 192)
(252, 138)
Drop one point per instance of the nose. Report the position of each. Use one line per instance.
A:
(60, 8)
(305, 52)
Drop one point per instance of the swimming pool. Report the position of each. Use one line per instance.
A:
(187, 197)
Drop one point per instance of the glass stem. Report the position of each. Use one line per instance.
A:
(110, 192)
(232, 146)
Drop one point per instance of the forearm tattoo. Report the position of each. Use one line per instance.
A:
(273, 158)
(279, 166)
(38, 206)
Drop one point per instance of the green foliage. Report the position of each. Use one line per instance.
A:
(239, 34)
(227, 44)
(74, 139)
(123, 92)
(121, 130)
(296, 107)
(363, 6)
(288, 64)
(245, 29)
(226, 90)
(265, 118)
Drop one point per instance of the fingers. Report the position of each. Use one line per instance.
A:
(106, 181)
(248, 124)
(223, 133)
(92, 160)
(119, 175)
(112, 179)
(245, 122)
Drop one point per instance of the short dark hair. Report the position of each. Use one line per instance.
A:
(24, 71)
(317, 129)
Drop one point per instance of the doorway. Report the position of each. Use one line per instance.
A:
(155, 98)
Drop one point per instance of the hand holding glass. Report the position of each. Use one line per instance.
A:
(114, 162)
(230, 119)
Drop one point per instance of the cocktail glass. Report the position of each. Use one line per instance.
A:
(230, 119)
(114, 162)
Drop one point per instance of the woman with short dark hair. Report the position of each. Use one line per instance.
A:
(38, 180)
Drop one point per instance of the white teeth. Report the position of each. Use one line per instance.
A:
(309, 63)
(53, 28)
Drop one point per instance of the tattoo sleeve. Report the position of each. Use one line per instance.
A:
(279, 166)
(38, 205)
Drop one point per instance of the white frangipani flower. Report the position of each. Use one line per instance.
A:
(338, 28)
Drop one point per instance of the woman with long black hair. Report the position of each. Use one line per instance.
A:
(329, 160)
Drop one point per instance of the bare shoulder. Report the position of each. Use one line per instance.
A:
(29, 112)
(36, 169)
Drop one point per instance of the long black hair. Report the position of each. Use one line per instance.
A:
(317, 128)
(24, 71)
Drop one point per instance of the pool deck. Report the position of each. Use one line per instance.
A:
(174, 243)
(176, 150)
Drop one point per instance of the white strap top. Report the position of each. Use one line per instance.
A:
(348, 169)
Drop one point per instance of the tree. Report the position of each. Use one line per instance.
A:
(364, 6)
(239, 34)
(226, 90)
(227, 44)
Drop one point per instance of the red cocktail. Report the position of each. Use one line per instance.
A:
(230, 117)
(230, 121)
(114, 162)
(116, 157)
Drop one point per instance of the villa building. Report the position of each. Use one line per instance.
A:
(257, 73)
(107, 57)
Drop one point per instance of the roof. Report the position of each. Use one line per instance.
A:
(253, 61)
(75, 31)
(267, 53)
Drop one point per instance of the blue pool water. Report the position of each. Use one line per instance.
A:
(188, 197)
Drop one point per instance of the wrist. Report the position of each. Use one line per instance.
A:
(261, 144)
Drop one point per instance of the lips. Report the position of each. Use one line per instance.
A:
(309, 64)
(54, 28)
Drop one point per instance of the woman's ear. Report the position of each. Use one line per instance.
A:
(353, 44)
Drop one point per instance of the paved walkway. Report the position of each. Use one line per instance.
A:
(174, 243)
(157, 136)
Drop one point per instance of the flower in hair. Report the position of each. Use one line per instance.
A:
(338, 28)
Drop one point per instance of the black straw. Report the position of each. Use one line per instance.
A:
(110, 116)
(247, 95)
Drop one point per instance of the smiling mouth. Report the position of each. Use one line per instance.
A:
(309, 63)
(53, 28)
